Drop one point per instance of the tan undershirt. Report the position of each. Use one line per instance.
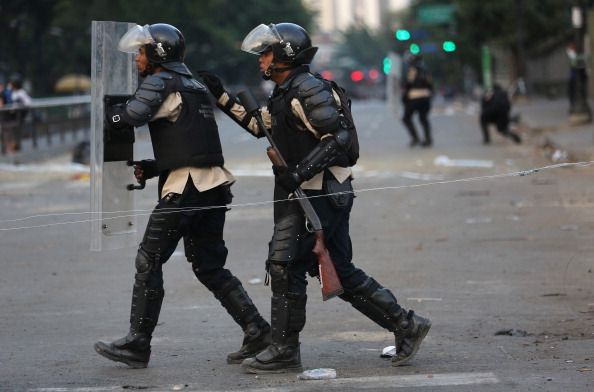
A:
(204, 178)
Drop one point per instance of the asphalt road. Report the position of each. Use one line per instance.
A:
(502, 264)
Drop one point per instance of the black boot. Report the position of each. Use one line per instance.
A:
(428, 141)
(409, 336)
(515, 137)
(379, 304)
(256, 338)
(276, 358)
(134, 349)
(256, 330)
(287, 319)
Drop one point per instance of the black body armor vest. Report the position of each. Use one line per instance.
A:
(192, 140)
(292, 138)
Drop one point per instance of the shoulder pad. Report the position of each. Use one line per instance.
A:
(318, 102)
(192, 84)
(153, 83)
(308, 85)
(165, 75)
(148, 98)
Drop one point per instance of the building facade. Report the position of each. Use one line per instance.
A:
(338, 15)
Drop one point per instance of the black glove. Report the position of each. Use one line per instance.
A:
(213, 83)
(287, 179)
(145, 169)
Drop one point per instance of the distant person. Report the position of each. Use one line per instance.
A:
(16, 95)
(416, 97)
(495, 109)
(2, 103)
(7, 94)
(19, 95)
(571, 52)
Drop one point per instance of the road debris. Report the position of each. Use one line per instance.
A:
(318, 374)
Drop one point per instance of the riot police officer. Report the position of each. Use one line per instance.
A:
(189, 164)
(319, 145)
(417, 91)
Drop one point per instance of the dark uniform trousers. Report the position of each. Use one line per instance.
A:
(184, 216)
(335, 222)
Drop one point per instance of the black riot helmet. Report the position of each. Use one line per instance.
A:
(164, 45)
(289, 42)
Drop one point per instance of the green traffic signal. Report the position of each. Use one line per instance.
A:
(402, 35)
(387, 65)
(414, 49)
(449, 46)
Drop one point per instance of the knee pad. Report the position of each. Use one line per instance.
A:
(144, 264)
(149, 270)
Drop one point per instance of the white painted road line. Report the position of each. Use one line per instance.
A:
(360, 383)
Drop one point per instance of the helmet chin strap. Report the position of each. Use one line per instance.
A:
(267, 75)
(280, 69)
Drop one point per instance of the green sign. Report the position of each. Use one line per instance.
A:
(436, 14)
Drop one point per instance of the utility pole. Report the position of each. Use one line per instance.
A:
(579, 112)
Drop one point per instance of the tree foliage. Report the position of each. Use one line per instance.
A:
(512, 24)
(45, 39)
(363, 47)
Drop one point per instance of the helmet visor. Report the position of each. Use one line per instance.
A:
(136, 37)
(260, 39)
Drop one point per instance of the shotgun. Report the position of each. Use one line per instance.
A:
(329, 281)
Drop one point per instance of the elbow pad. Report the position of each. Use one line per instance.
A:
(324, 154)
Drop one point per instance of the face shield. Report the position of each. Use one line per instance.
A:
(260, 39)
(136, 37)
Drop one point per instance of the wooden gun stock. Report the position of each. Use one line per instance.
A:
(329, 281)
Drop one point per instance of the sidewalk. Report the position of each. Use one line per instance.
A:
(44, 151)
(551, 118)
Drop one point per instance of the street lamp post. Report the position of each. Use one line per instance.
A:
(579, 112)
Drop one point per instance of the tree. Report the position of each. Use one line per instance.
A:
(45, 39)
(516, 25)
(364, 48)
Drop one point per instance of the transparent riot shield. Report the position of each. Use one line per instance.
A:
(114, 77)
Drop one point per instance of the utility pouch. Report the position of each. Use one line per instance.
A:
(340, 194)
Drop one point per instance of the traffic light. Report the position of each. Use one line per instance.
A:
(402, 35)
(387, 65)
(357, 75)
(414, 49)
(449, 46)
